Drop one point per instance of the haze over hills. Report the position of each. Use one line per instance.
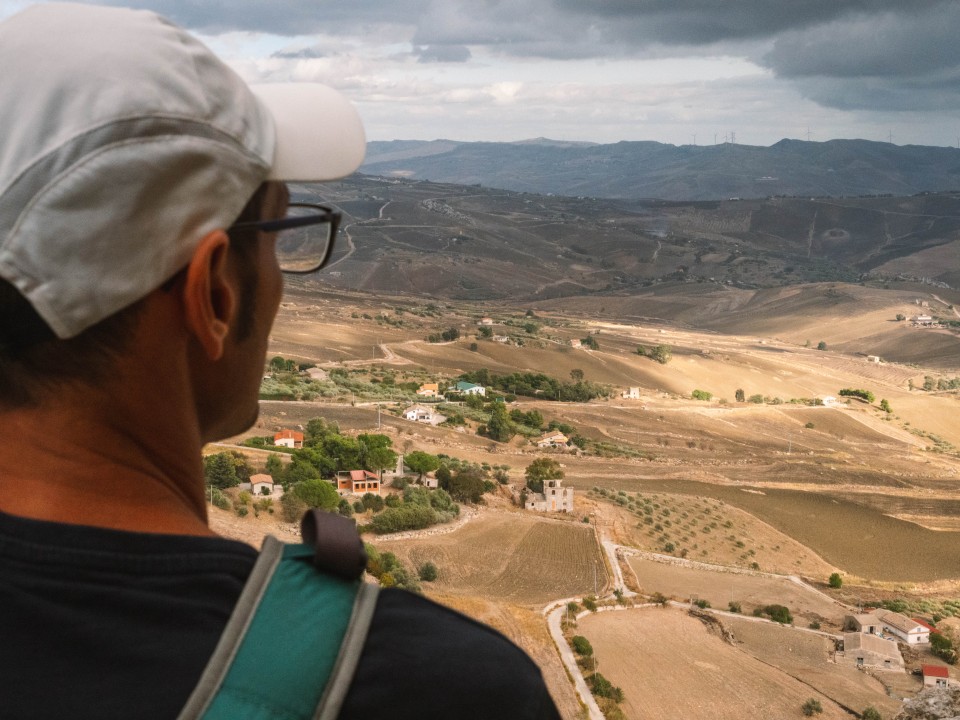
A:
(469, 243)
(656, 170)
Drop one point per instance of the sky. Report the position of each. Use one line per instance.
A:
(675, 71)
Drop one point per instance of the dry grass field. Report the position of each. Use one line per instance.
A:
(807, 657)
(510, 557)
(793, 488)
(670, 665)
(751, 591)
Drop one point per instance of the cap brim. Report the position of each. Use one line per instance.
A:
(319, 133)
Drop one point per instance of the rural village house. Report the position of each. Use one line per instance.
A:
(485, 321)
(424, 414)
(430, 390)
(936, 676)
(261, 482)
(357, 482)
(466, 388)
(288, 439)
(631, 393)
(554, 498)
(866, 650)
(887, 622)
(554, 439)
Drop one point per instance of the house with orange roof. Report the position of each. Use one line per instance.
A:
(358, 482)
(935, 676)
(429, 390)
(288, 439)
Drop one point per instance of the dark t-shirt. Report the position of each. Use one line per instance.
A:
(100, 623)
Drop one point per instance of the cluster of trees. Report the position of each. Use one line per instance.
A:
(857, 393)
(701, 395)
(777, 613)
(226, 469)
(930, 383)
(942, 647)
(420, 508)
(541, 470)
(660, 353)
(537, 385)
(325, 451)
(280, 364)
(386, 568)
(445, 336)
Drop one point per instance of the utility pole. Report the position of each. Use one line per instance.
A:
(694, 139)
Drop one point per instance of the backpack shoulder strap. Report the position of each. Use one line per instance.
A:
(291, 645)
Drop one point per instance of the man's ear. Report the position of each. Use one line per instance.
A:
(209, 296)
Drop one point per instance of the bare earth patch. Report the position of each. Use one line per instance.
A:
(670, 665)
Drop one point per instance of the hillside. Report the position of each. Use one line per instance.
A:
(688, 172)
(468, 243)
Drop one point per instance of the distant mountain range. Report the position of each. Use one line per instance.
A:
(635, 170)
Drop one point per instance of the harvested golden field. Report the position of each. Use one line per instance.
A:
(509, 556)
(670, 665)
(525, 627)
(808, 657)
(719, 588)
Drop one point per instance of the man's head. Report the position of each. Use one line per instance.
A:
(125, 143)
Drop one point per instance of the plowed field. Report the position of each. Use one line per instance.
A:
(512, 557)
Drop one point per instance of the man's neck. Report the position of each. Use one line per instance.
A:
(105, 461)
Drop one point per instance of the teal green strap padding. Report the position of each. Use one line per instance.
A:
(287, 651)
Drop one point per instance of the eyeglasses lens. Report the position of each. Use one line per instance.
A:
(303, 249)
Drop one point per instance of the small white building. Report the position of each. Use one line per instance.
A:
(424, 414)
(631, 393)
(554, 498)
(467, 388)
(888, 623)
(553, 439)
(288, 439)
(936, 676)
(261, 486)
(874, 359)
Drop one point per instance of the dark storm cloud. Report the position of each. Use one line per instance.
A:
(709, 21)
(442, 53)
(281, 17)
(890, 45)
(882, 54)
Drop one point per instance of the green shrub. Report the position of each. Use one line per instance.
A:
(701, 395)
(581, 646)
(218, 499)
(836, 581)
(590, 603)
(427, 572)
(601, 687)
(870, 713)
(812, 707)
(734, 606)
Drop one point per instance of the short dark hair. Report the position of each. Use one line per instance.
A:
(33, 360)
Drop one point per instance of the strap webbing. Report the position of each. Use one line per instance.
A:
(291, 643)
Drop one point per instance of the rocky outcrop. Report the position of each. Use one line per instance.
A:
(932, 704)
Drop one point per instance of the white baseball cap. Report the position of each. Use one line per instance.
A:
(124, 141)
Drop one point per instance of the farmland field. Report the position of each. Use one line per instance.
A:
(720, 588)
(670, 665)
(806, 656)
(510, 557)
